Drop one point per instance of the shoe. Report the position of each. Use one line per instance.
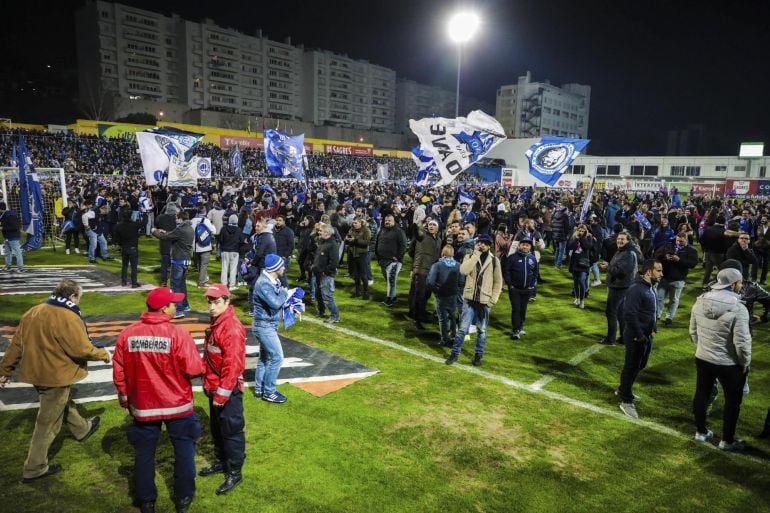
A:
(703, 437)
(108, 259)
(183, 504)
(232, 479)
(94, 427)
(275, 397)
(91, 261)
(576, 302)
(522, 332)
(388, 302)
(124, 284)
(629, 409)
(355, 294)
(532, 299)
(179, 316)
(187, 309)
(66, 251)
(636, 397)
(735, 445)
(77, 251)
(477, 360)
(596, 283)
(216, 468)
(147, 507)
(516, 335)
(365, 296)
(52, 469)
(607, 342)
(452, 359)
(331, 321)
(667, 323)
(135, 286)
(370, 282)
(582, 305)
(258, 393)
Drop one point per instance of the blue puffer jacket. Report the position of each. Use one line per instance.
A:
(269, 297)
(521, 271)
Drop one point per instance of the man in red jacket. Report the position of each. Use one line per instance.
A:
(224, 355)
(153, 364)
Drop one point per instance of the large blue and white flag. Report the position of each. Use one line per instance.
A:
(643, 220)
(235, 160)
(464, 197)
(382, 172)
(455, 144)
(427, 172)
(167, 152)
(30, 199)
(284, 154)
(587, 200)
(552, 155)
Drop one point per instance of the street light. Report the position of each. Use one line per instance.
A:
(462, 27)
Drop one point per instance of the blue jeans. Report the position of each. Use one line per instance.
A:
(390, 272)
(560, 248)
(270, 358)
(445, 310)
(470, 311)
(594, 271)
(327, 298)
(674, 290)
(284, 277)
(13, 249)
(93, 239)
(179, 284)
(183, 433)
(580, 284)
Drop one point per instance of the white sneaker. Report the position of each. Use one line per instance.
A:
(66, 251)
(77, 251)
(703, 437)
(736, 445)
(371, 282)
(596, 283)
(582, 305)
(576, 302)
(629, 409)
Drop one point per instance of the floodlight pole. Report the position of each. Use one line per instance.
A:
(459, 67)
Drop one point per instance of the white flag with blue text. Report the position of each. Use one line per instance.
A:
(456, 144)
(166, 151)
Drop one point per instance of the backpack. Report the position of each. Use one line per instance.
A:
(202, 234)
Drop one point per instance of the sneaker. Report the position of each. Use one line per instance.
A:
(370, 282)
(516, 335)
(607, 342)
(258, 393)
(582, 305)
(477, 360)
(636, 397)
(596, 283)
(91, 261)
(331, 321)
(703, 437)
(629, 409)
(66, 251)
(275, 397)
(735, 445)
(179, 316)
(187, 309)
(532, 299)
(77, 251)
(576, 302)
(452, 359)
(667, 323)
(522, 332)
(21, 271)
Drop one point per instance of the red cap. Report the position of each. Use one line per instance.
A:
(162, 296)
(217, 290)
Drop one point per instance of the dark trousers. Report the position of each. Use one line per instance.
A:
(519, 301)
(614, 297)
(710, 261)
(637, 354)
(129, 255)
(763, 263)
(68, 239)
(732, 379)
(301, 257)
(358, 268)
(183, 433)
(165, 265)
(418, 296)
(227, 432)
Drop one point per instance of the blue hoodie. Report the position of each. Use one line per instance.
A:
(443, 276)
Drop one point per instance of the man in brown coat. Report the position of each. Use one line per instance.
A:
(53, 346)
(427, 249)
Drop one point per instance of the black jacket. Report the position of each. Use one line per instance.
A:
(9, 221)
(746, 258)
(126, 234)
(713, 240)
(676, 271)
(284, 241)
(622, 269)
(391, 244)
(327, 257)
(639, 310)
(229, 239)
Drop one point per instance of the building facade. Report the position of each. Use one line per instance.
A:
(417, 101)
(534, 109)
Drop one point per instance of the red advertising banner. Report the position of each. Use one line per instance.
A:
(742, 187)
(228, 141)
(708, 188)
(348, 150)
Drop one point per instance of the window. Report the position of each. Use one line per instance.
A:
(741, 169)
(721, 169)
(685, 170)
(762, 171)
(644, 170)
(577, 170)
(608, 170)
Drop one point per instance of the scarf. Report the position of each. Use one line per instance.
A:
(293, 308)
(63, 302)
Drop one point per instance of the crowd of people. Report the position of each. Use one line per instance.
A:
(461, 254)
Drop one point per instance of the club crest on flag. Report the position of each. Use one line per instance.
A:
(204, 169)
(552, 155)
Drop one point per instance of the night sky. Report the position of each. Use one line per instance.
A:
(652, 66)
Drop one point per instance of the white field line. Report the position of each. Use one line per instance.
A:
(658, 428)
(577, 360)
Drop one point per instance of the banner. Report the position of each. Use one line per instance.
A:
(464, 197)
(382, 172)
(123, 131)
(455, 144)
(552, 155)
(235, 160)
(742, 187)
(426, 167)
(587, 200)
(708, 188)
(348, 150)
(30, 200)
(285, 155)
(228, 141)
(163, 149)
(187, 174)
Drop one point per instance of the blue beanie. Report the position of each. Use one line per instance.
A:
(273, 263)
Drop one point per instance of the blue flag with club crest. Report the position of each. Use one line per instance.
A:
(643, 220)
(235, 160)
(30, 199)
(284, 154)
(552, 155)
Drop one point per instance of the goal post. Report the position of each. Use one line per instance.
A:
(53, 186)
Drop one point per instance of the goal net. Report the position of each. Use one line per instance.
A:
(54, 189)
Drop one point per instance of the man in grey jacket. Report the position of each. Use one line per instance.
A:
(181, 238)
(719, 327)
(621, 271)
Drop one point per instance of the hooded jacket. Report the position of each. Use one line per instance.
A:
(224, 356)
(181, 239)
(719, 327)
(443, 276)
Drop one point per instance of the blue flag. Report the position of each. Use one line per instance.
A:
(464, 197)
(285, 154)
(642, 220)
(235, 160)
(587, 200)
(426, 167)
(552, 155)
(30, 199)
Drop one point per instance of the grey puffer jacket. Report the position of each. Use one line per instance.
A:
(719, 326)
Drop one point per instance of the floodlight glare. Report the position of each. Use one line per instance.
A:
(463, 26)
